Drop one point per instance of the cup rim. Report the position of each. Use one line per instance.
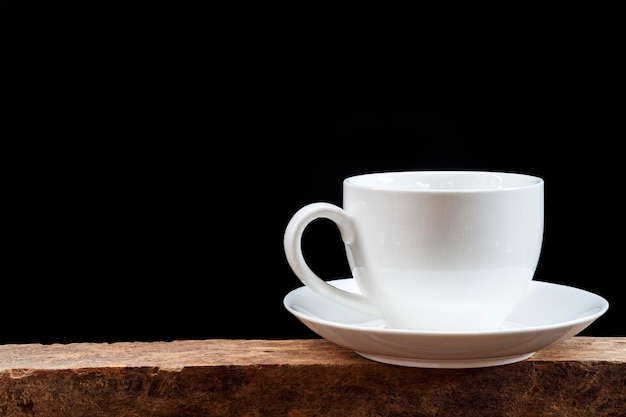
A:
(529, 181)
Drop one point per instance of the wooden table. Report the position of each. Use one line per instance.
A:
(582, 376)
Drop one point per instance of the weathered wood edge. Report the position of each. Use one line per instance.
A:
(221, 352)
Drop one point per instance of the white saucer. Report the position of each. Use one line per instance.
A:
(549, 313)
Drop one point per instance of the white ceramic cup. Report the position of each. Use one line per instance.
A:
(431, 250)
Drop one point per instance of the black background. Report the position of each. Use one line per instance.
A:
(152, 156)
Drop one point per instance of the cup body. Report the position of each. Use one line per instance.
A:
(443, 250)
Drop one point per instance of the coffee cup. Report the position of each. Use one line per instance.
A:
(434, 251)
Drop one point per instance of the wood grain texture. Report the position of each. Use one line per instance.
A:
(583, 376)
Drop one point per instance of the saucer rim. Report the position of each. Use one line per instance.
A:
(585, 318)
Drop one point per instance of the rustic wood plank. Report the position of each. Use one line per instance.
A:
(583, 376)
(585, 349)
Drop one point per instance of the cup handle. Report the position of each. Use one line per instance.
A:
(293, 250)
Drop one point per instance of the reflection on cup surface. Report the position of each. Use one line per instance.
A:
(441, 300)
